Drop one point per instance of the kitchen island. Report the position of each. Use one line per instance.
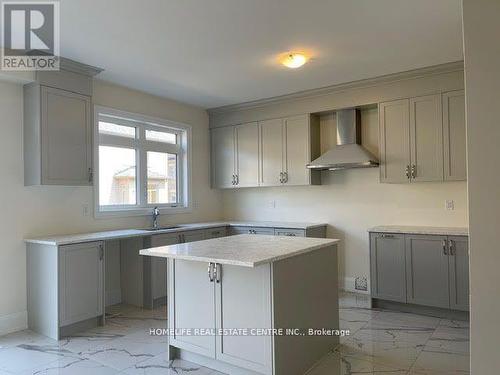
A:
(250, 304)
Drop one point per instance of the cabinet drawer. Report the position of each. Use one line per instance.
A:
(289, 232)
(252, 230)
(215, 232)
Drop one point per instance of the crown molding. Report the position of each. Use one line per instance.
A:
(389, 78)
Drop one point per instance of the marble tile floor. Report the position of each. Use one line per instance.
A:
(380, 342)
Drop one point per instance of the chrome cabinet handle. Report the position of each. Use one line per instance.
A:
(91, 175)
(101, 252)
(413, 171)
(236, 179)
(233, 180)
(211, 272)
(445, 248)
(387, 236)
(407, 172)
(451, 245)
(290, 234)
(281, 177)
(218, 273)
(285, 177)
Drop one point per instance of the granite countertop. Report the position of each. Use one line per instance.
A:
(414, 229)
(128, 233)
(241, 250)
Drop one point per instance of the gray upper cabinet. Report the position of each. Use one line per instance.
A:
(272, 152)
(394, 129)
(388, 272)
(58, 128)
(458, 248)
(247, 155)
(268, 153)
(427, 270)
(454, 136)
(423, 139)
(81, 282)
(223, 157)
(426, 139)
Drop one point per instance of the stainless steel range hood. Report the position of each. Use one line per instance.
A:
(348, 153)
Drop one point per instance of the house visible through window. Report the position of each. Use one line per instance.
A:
(140, 163)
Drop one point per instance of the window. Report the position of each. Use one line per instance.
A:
(141, 163)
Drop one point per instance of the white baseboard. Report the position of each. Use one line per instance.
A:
(13, 322)
(348, 284)
(113, 297)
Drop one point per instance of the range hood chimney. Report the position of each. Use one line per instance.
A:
(348, 153)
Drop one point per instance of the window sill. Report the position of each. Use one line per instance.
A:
(129, 212)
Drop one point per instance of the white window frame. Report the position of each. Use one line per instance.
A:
(141, 123)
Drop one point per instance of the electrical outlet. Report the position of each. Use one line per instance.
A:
(85, 210)
(272, 203)
(361, 283)
(450, 204)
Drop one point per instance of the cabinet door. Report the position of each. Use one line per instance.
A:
(243, 300)
(192, 306)
(81, 282)
(394, 128)
(247, 155)
(297, 151)
(289, 232)
(427, 270)
(426, 138)
(271, 132)
(387, 265)
(459, 273)
(223, 157)
(454, 136)
(215, 232)
(66, 129)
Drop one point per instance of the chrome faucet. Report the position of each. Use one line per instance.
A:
(156, 214)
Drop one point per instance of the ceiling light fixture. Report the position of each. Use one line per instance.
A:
(294, 60)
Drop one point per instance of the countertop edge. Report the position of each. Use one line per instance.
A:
(429, 230)
(150, 252)
(108, 235)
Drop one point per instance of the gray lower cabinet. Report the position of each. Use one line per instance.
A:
(81, 282)
(429, 270)
(243, 299)
(459, 272)
(192, 306)
(387, 253)
(251, 230)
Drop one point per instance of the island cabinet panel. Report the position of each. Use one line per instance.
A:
(387, 255)
(427, 270)
(81, 282)
(243, 301)
(191, 306)
(459, 272)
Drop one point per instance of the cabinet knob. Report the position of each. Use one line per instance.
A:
(407, 172)
(281, 177)
(445, 247)
(451, 245)
(413, 171)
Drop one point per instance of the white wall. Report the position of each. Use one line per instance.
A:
(482, 69)
(33, 211)
(351, 202)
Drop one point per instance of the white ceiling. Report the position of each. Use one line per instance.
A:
(218, 52)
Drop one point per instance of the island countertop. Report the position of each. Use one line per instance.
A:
(245, 250)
